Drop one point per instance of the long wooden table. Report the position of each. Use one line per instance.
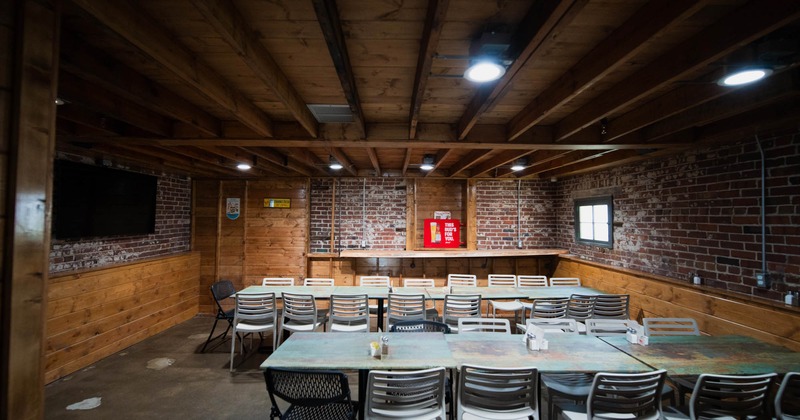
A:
(350, 351)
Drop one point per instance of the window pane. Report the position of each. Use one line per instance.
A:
(585, 214)
(601, 213)
(601, 232)
(586, 231)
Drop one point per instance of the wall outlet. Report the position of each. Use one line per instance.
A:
(762, 280)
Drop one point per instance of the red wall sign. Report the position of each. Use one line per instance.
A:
(442, 233)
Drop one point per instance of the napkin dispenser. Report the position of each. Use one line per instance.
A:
(635, 334)
(534, 339)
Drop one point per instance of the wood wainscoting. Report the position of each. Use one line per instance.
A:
(93, 314)
(717, 312)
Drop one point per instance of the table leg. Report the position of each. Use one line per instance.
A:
(363, 377)
(380, 313)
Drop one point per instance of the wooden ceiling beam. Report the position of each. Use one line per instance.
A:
(81, 92)
(468, 160)
(230, 24)
(328, 17)
(434, 21)
(373, 158)
(622, 44)
(94, 120)
(258, 166)
(91, 64)
(278, 159)
(308, 158)
(224, 158)
(344, 160)
(540, 23)
(141, 30)
(608, 160)
(406, 161)
(752, 21)
(566, 159)
(188, 164)
(497, 160)
(441, 155)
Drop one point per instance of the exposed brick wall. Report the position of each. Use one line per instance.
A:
(699, 212)
(497, 214)
(384, 206)
(172, 233)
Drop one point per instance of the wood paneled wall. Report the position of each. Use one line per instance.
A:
(91, 315)
(716, 312)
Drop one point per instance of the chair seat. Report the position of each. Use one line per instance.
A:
(247, 328)
(348, 328)
(304, 327)
(335, 411)
(506, 305)
(476, 413)
(578, 412)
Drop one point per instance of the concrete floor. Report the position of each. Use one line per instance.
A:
(140, 382)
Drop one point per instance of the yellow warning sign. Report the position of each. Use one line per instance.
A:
(278, 203)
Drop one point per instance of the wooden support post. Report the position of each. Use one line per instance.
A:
(29, 33)
(472, 215)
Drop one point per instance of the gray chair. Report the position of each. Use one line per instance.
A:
(611, 307)
(418, 394)
(468, 325)
(404, 307)
(221, 291)
(348, 313)
(670, 326)
(254, 313)
(787, 400)
(621, 396)
(736, 396)
(498, 393)
(460, 306)
(300, 314)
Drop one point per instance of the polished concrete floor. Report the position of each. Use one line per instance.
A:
(165, 377)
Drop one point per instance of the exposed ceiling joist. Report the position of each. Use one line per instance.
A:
(434, 21)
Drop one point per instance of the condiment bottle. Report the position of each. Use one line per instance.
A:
(789, 298)
(384, 347)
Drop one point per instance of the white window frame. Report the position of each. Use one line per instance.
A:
(595, 221)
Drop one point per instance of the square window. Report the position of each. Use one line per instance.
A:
(594, 221)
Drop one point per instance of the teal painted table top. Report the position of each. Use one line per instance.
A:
(725, 355)
(319, 292)
(558, 291)
(351, 351)
(566, 353)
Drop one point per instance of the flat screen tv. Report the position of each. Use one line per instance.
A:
(91, 201)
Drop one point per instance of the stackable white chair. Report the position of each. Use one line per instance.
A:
(606, 327)
(404, 307)
(503, 280)
(468, 325)
(621, 396)
(468, 280)
(430, 311)
(318, 281)
(524, 281)
(277, 281)
(551, 325)
(300, 314)
(565, 281)
(377, 281)
(498, 393)
(349, 313)
(254, 313)
(670, 326)
(460, 306)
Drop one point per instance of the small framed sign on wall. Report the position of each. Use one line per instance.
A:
(278, 203)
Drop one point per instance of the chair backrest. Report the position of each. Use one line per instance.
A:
(611, 306)
(299, 308)
(580, 307)
(731, 395)
(349, 313)
(318, 281)
(606, 327)
(626, 395)
(467, 325)
(460, 306)
(277, 281)
(550, 308)
(220, 291)
(419, 283)
(532, 281)
(420, 325)
(404, 307)
(502, 280)
(670, 326)
(256, 308)
(565, 281)
(406, 394)
(554, 325)
(382, 281)
(787, 400)
(469, 280)
(325, 393)
(493, 391)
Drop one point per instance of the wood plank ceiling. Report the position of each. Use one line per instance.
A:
(198, 86)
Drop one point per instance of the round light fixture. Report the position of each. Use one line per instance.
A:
(519, 164)
(243, 167)
(427, 163)
(334, 164)
(744, 76)
(484, 71)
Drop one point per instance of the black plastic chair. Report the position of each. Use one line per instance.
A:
(420, 325)
(311, 394)
(221, 290)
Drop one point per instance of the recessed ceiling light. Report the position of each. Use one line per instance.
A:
(744, 76)
(243, 167)
(484, 71)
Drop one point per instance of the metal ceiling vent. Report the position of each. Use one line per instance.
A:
(331, 113)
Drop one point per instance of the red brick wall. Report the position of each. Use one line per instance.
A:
(699, 212)
(497, 214)
(172, 235)
(321, 205)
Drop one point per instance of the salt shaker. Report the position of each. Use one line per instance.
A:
(384, 347)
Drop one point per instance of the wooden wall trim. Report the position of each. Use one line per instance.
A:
(716, 313)
(91, 315)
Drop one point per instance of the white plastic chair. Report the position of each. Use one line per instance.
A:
(498, 393)
(549, 308)
(254, 313)
(524, 281)
(460, 306)
(299, 314)
(419, 283)
(468, 280)
(318, 281)
(375, 281)
(468, 325)
(621, 396)
(565, 281)
(503, 280)
(670, 326)
(551, 325)
(404, 307)
(606, 327)
(417, 394)
(277, 281)
(348, 313)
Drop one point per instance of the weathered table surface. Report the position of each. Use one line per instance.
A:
(724, 355)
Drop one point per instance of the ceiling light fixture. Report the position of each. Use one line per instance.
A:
(427, 163)
(334, 164)
(484, 70)
(60, 101)
(519, 164)
(243, 166)
(744, 76)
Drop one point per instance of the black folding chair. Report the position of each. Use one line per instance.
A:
(311, 394)
(221, 290)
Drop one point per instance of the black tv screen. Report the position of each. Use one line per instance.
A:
(90, 201)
